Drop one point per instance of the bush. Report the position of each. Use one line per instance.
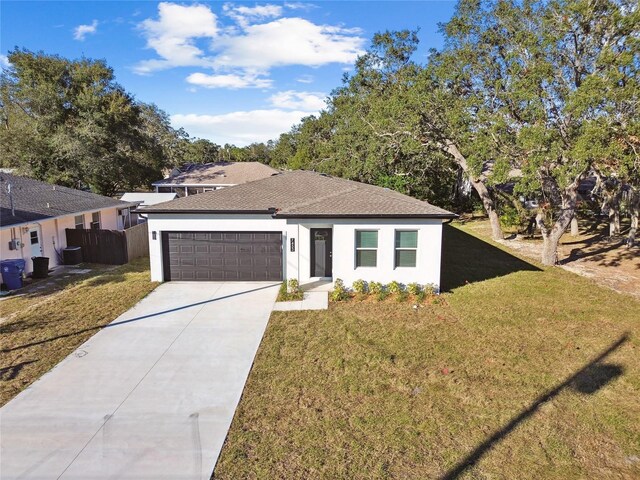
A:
(382, 294)
(360, 286)
(395, 287)
(414, 288)
(293, 286)
(375, 287)
(430, 289)
(402, 296)
(339, 292)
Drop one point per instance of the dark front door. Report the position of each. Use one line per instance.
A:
(225, 256)
(321, 252)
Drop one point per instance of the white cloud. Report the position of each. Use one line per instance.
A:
(299, 5)
(172, 36)
(241, 56)
(305, 79)
(239, 128)
(4, 61)
(308, 101)
(245, 15)
(81, 31)
(230, 80)
(288, 41)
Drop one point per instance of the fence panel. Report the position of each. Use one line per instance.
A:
(137, 241)
(99, 246)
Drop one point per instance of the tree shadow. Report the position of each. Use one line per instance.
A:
(467, 259)
(587, 381)
(12, 371)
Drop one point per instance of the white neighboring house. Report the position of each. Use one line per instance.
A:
(207, 177)
(146, 199)
(34, 216)
(297, 225)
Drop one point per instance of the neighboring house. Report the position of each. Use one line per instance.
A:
(34, 216)
(297, 225)
(145, 199)
(212, 176)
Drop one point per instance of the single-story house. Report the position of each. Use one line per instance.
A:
(34, 216)
(200, 178)
(297, 225)
(146, 199)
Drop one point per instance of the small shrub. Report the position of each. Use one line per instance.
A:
(430, 289)
(382, 294)
(360, 286)
(375, 287)
(402, 296)
(395, 287)
(414, 288)
(293, 286)
(339, 292)
(420, 296)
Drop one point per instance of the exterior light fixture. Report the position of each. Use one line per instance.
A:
(154, 235)
(292, 245)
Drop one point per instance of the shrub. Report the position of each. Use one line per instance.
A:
(402, 296)
(420, 296)
(375, 287)
(395, 287)
(360, 286)
(382, 294)
(293, 286)
(339, 292)
(414, 288)
(430, 289)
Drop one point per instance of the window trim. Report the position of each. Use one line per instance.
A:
(77, 225)
(410, 249)
(357, 249)
(93, 222)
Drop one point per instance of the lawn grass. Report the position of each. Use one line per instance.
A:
(44, 327)
(383, 390)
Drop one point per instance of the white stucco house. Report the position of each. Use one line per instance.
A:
(34, 216)
(303, 225)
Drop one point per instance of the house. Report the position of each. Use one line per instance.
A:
(297, 225)
(34, 216)
(212, 176)
(145, 199)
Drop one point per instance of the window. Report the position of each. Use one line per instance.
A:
(33, 236)
(366, 248)
(406, 248)
(95, 220)
(79, 220)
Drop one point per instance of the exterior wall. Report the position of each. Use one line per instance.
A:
(52, 236)
(297, 264)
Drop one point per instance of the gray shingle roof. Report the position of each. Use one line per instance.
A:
(304, 194)
(221, 173)
(34, 200)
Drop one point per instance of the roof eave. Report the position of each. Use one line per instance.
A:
(369, 215)
(151, 211)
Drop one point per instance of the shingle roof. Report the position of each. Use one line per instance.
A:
(34, 200)
(221, 173)
(304, 194)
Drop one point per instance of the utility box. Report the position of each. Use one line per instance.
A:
(72, 255)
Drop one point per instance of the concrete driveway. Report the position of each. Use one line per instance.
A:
(150, 396)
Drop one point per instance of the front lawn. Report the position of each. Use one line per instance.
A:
(496, 380)
(44, 326)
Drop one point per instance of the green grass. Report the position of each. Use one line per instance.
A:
(383, 390)
(43, 327)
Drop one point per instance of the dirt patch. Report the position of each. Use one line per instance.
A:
(592, 254)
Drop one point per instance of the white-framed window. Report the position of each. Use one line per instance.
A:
(95, 220)
(79, 221)
(366, 248)
(406, 249)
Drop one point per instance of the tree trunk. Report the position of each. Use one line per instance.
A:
(575, 231)
(483, 192)
(634, 212)
(551, 236)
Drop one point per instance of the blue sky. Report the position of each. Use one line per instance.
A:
(232, 72)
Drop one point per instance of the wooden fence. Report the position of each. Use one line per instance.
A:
(112, 247)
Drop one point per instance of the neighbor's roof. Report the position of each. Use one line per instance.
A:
(304, 194)
(221, 173)
(34, 200)
(147, 198)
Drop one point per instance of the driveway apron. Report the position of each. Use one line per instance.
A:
(152, 395)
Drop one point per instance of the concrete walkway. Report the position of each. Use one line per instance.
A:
(151, 396)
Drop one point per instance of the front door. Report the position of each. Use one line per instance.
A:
(321, 252)
(34, 241)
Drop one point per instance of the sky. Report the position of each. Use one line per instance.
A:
(231, 72)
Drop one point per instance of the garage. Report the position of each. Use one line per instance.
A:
(222, 256)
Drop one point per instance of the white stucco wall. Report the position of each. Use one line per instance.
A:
(52, 236)
(297, 264)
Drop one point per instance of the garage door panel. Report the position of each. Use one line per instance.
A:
(228, 256)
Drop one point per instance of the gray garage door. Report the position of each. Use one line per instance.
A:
(222, 256)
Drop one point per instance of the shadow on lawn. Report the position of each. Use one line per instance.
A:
(588, 380)
(467, 259)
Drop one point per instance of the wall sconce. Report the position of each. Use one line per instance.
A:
(292, 245)
(154, 235)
